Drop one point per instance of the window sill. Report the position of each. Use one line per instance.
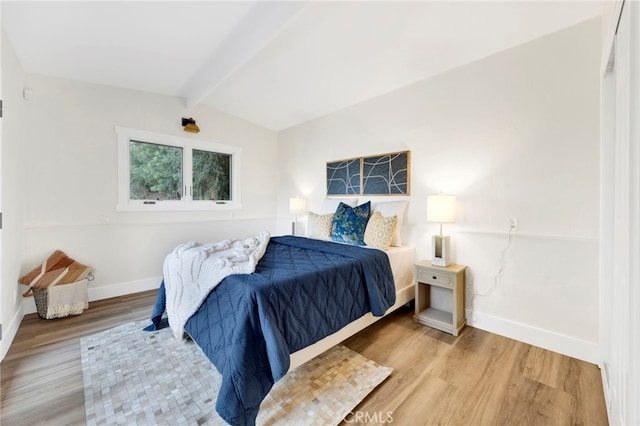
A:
(178, 207)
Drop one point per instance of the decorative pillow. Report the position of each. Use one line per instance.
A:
(391, 208)
(379, 231)
(349, 223)
(319, 226)
(330, 205)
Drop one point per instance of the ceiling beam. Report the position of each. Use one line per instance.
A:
(263, 22)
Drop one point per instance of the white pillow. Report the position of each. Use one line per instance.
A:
(330, 205)
(319, 226)
(379, 231)
(393, 208)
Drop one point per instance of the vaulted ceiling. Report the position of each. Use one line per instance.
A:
(276, 64)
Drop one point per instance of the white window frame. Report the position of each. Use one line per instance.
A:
(126, 204)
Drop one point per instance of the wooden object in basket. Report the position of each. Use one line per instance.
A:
(58, 269)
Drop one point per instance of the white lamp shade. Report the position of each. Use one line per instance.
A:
(441, 208)
(297, 205)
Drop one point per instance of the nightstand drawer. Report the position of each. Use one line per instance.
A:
(435, 278)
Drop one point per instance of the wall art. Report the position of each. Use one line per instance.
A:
(385, 174)
(343, 177)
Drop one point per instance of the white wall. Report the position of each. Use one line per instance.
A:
(13, 191)
(512, 135)
(71, 182)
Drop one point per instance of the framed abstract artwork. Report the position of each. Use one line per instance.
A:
(385, 174)
(343, 177)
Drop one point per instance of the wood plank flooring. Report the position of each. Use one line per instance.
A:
(477, 378)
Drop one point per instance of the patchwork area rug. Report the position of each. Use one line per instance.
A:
(136, 377)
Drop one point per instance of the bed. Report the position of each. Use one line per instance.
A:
(401, 260)
(304, 297)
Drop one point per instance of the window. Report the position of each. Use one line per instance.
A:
(155, 171)
(160, 172)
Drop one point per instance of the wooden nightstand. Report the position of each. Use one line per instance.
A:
(450, 278)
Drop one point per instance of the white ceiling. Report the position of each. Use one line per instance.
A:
(276, 64)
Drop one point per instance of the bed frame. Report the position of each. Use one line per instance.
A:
(403, 296)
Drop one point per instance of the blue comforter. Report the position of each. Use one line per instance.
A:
(302, 291)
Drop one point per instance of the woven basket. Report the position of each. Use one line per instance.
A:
(61, 300)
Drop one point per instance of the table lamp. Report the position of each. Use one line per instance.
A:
(297, 206)
(441, 209)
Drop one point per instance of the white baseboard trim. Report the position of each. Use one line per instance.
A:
(613, 414)
(122, 289)
(10, 333)
(106, 291)
(556, 342)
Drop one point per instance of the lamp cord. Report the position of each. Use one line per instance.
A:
(497, 276)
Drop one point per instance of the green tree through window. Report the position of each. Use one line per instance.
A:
(156, 172)
(211, 175)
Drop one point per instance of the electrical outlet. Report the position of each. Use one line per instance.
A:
(513, 224)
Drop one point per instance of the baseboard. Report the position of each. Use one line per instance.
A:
(613, 414)
(122, 289)
(10, 333)
(556, 342)
(106, 291)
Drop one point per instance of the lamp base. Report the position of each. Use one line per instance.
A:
(440, 249)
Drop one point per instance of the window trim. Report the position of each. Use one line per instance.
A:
(126, 204)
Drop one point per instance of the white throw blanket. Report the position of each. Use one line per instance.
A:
(67, 299)
(191, 271)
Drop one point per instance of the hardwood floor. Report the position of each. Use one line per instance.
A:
(477, 378)
(42, 372)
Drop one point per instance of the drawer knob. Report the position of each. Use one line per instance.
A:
(434, 277)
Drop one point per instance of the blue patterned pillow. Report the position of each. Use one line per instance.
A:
(349, 223)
